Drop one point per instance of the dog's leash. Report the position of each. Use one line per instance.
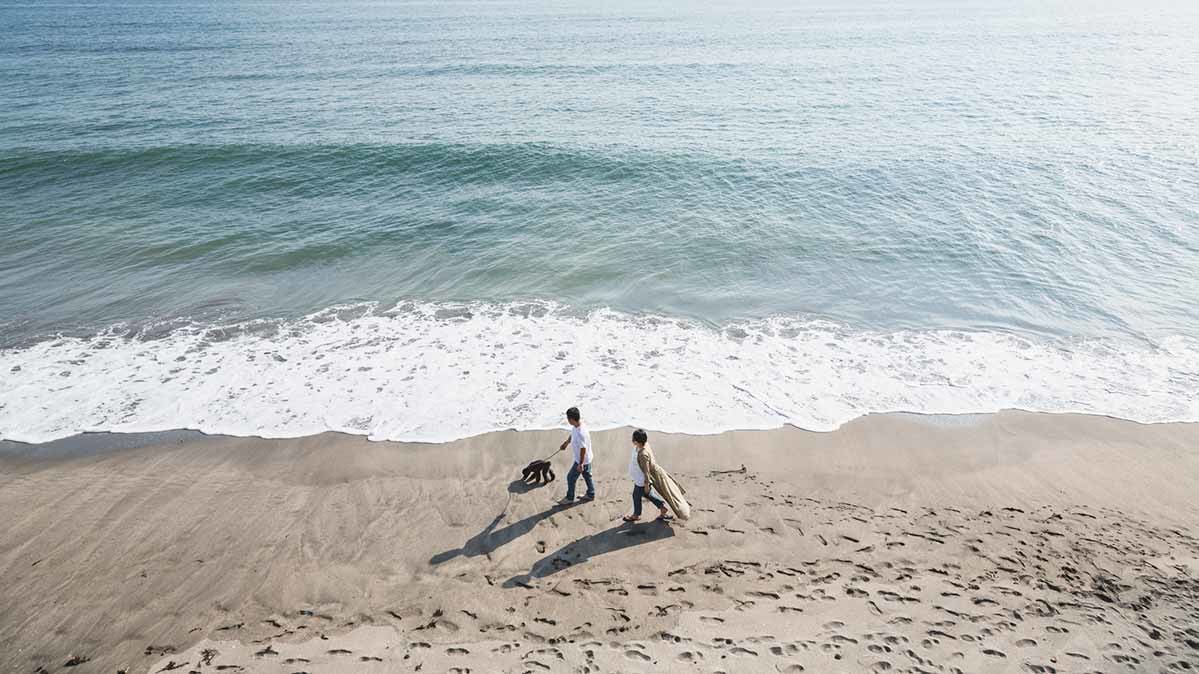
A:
(560, 449)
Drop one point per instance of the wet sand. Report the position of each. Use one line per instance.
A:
(989, 543)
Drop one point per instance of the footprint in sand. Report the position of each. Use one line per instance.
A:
(637, 655)
(550, 651)
(690, 656)
(457, 651)
(1026, 643)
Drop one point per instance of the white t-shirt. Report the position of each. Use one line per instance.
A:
(635, 471)
(580, 438)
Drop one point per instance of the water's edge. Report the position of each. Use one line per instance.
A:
(99, 442)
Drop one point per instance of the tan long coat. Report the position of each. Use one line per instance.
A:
(661, 481)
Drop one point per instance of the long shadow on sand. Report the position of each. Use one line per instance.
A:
(619, 537)
(489, 539)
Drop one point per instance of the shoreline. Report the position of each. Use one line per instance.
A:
(978, 435)
(136, 555)
(103, 441)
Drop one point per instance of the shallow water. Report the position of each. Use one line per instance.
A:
(684, 216)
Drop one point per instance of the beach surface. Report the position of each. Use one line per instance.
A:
(983, 543)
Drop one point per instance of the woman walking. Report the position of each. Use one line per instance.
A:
(649, 477)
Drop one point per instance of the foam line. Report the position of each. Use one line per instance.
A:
(436, 372)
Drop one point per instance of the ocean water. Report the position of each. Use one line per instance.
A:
(425, 220)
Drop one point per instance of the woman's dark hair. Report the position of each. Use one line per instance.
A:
(640, 436)
(572, 414)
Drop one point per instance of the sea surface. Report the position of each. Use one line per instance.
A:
(426, 220)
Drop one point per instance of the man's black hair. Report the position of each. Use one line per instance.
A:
(641, 436)
(572, 414)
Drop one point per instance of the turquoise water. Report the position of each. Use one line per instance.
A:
(688, 216)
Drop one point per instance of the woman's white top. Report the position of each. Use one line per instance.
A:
(635, 470)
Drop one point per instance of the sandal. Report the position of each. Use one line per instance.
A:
(630, 518)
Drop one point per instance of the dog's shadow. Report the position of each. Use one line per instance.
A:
(521, 487)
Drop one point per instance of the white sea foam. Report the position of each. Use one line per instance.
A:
(434, 372)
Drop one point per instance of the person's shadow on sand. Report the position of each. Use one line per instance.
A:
(619, 537)
(489, 539)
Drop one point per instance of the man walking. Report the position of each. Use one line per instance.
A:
(580, 444)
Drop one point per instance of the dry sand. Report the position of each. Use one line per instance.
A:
(996, 543)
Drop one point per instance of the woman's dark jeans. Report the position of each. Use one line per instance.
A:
(639, 493)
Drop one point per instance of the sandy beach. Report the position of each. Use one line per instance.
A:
(988, 543)
(905, 293)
